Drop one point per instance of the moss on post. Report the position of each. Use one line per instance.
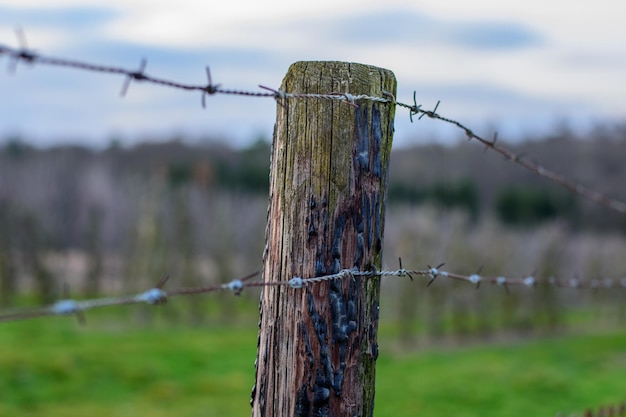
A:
(317, 346)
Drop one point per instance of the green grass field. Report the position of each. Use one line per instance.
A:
(55, 367)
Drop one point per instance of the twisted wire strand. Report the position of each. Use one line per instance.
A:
(158, 296)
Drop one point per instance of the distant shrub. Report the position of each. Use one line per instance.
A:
(405, 193)
(525, 205)
(15, 148)
(249, 171)
(179, 173)
(463, 194)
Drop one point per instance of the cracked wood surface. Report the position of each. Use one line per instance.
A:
(317, 346)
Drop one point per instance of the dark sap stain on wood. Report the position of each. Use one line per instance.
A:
(354, 228)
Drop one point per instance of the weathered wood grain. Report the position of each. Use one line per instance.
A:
(317, 347)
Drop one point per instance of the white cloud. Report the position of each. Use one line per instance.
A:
(558, 54)
(37, 37)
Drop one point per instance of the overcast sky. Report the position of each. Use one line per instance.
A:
(520, 67)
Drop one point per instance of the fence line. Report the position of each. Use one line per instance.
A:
(157, 295)
(28, 56)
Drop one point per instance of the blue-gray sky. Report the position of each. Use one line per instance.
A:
(520, 67)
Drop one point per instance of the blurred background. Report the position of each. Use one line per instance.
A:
(102, 196)
(114, 220)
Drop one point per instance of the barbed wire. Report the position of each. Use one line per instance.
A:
(28, 56)
(158, 296)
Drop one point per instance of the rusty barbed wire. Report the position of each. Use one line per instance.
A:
(31, 57)
(158, 296)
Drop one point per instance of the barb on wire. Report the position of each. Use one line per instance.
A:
(157, 295)
(29, 56)
(434, 273)
(210, 88)
(23, 54)
(404, 272)
(137, 75)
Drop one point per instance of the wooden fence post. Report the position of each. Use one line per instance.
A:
(317, 346)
